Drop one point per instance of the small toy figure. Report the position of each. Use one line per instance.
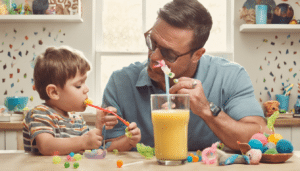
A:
(271, 107)
(210, 151)
(40, 6)
(252, 157)
(3, 9)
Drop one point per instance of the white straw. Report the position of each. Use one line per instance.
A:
(132, 163)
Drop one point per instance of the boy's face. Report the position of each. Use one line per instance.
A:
(73, 95)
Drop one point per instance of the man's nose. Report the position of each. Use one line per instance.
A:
(155, 55)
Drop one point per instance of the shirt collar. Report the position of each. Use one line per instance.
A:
(144, 79)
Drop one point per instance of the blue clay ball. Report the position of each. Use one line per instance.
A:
(72, 154)
(284, 146)
(256, 144)
(189, 159)
(200, 158)
(264, 149)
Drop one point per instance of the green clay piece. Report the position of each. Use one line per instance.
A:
(271, 120)
(127, 133)
(271, 151)
(115, 151)
(282, 111)
(266, 135)
(67, 164)
(199, 153)
(221, 146)
(77, 157)
(76, 165)
(146, 151)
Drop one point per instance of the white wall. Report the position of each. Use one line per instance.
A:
(248, 55)
(77, 35)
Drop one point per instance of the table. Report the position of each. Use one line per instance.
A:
(18, 160)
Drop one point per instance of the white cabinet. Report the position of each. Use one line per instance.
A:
(290, 133)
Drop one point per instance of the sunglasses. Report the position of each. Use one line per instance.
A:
(167, 54)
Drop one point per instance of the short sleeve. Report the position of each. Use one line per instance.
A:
(241, 101)
(40, 122)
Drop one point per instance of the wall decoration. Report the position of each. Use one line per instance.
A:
(18, 52)
(284, 65)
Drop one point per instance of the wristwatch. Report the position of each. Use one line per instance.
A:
(214, 109)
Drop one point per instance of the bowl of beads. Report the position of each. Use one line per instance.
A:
(274, 148)
(16, 103)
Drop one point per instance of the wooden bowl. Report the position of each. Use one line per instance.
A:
(275, 158)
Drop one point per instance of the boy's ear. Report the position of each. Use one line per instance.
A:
(52, 92)
(198, 54)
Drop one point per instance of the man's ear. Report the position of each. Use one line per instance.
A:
(198, 54)
(52, 92)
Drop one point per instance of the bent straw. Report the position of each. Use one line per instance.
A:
(105, 110)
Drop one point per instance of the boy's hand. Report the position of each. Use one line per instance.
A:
(136, 134)
(92, 139)
(104, 118)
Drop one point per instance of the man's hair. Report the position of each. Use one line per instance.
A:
(56, 66)
(188, 14)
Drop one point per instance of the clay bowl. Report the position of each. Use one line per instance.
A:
(275, 158)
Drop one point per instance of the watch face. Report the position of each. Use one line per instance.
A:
(214, 109)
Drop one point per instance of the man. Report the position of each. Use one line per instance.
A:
(222, 102)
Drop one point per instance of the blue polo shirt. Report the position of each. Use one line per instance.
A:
(225, 83)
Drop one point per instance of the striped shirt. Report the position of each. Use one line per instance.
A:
(43, 119)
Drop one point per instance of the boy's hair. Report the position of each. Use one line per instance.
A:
(56, 66)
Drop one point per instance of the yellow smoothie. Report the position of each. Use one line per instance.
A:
(170, 134)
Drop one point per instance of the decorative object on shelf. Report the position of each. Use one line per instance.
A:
(283, 14)
(16, 103)
(247, 12)
(65, 7)
(261, 14)
(40, 6)
(293, 21)
(271, 107)
(27, 8)
(3, 9)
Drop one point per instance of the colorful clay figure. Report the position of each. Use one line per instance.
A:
(271, 120)
(95, 154)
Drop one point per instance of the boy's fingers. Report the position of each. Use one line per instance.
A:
(132, 125)
(113, 109)
(135, 131)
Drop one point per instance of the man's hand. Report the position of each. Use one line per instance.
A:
(104, 118)
(136, 134)
(198, 102)
(92, 139)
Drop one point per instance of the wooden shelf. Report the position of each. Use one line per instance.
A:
(263, 28)
(40, 18)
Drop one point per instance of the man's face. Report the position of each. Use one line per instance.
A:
(176, 40)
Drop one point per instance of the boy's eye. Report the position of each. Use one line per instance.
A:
(78, 87)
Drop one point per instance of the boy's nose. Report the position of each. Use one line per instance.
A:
(86, 90)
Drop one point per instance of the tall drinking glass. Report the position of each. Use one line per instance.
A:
(170, 117)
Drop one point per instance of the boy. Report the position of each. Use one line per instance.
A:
(59, 76)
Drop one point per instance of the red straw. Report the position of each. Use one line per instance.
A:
(105, 110)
